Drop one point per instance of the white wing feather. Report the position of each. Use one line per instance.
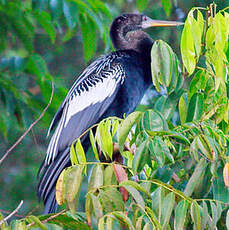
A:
(75, 102)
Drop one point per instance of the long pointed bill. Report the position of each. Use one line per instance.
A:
(155, 23)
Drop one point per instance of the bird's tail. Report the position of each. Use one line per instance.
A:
(48, 175)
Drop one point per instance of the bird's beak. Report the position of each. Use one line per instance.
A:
(155, 23)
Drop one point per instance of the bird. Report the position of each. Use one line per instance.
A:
(112, 85)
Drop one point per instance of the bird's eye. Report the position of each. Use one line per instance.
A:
(144, 18)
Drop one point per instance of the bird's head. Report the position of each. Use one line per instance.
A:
(127, 30)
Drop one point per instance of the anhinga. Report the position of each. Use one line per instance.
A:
(112, 85)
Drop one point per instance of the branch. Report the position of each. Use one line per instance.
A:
(7, 212)
(30, 127)
(48, 219)
(12, 213)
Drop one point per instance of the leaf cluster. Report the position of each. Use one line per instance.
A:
(25, 80)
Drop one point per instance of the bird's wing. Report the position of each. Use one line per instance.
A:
(85, 103)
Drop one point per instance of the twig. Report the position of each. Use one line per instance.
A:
(5, 211)
(176, 178)
(12, 213)
(48, 219)
(201, 68)
(54, 216)
(30, 127)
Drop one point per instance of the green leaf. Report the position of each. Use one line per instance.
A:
(115, 126)
(73, 178)
(93, 144)
(180, 83)
(36, 65)
(111, 200)
(97, 206)
(156, 151)
(204, 146)
(66, 221)
(216, 213)
(183, 108)
(160, 144)
(170, 188)
(176, 80)
(187, 45)
(45, 20)
(167, 5)
(139, 223)
(109, 223)
(20, 225)
(11, 87)
(180, 215)
(104, 138)
(172, 134)
(141, 157)
(134, 185)
(37, 222)
(73, 156)
(96, 178)
(153, 121)
(162, 64)
(4, 224)
(210, 38)
(194, 149)
(109, 176)
(20, 26)
(197, 30)
(56, 7)
(88, 30)
(101, 223)
(98, 6)
(166, 106)
(80, 152)
(125, 128)
(146, 226)
(142, 4)
(157, 198)
(195, 214)
(198, 82)
(220, 192)
(136, 195)
(195, 107)
(122, 217)
(204, 216)
(221, 34)
(153, 218)
(196, 177)
(60, 188)
(167, 208)
(71, 13)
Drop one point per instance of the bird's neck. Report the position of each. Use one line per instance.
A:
(136, 40)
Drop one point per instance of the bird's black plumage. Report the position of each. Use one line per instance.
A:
(111, 86)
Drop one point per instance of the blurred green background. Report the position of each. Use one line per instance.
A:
(53, 40)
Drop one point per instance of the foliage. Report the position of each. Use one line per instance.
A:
(173, 172)
(21, 22)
